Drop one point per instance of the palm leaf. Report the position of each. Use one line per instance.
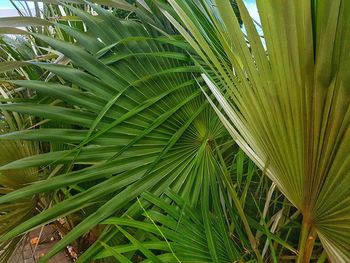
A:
(179, 230)
(143, 114)
(285, 104)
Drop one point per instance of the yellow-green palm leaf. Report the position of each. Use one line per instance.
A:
(285, 99)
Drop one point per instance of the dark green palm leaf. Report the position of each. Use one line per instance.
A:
(139, 123)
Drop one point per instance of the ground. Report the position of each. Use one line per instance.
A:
(37, 245)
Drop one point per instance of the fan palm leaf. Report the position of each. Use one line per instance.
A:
(176, 228)
(284, 100)
(131, 117)
(11, 180)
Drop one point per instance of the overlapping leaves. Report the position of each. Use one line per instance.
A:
(284, 100)
(131, 117)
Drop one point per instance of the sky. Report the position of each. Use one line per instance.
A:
(253, 11)
(5, 4)
(6, 9)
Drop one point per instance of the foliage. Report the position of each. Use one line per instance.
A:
(131, 119)
(286, 105)
(143, 165)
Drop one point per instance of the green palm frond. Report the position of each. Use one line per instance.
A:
(179, 230)
(106, 109)
(132, 119)
(284, 101)
(13, 214)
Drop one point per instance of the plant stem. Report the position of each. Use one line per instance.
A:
(310, 244)
(306, 242)
(305, 229)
